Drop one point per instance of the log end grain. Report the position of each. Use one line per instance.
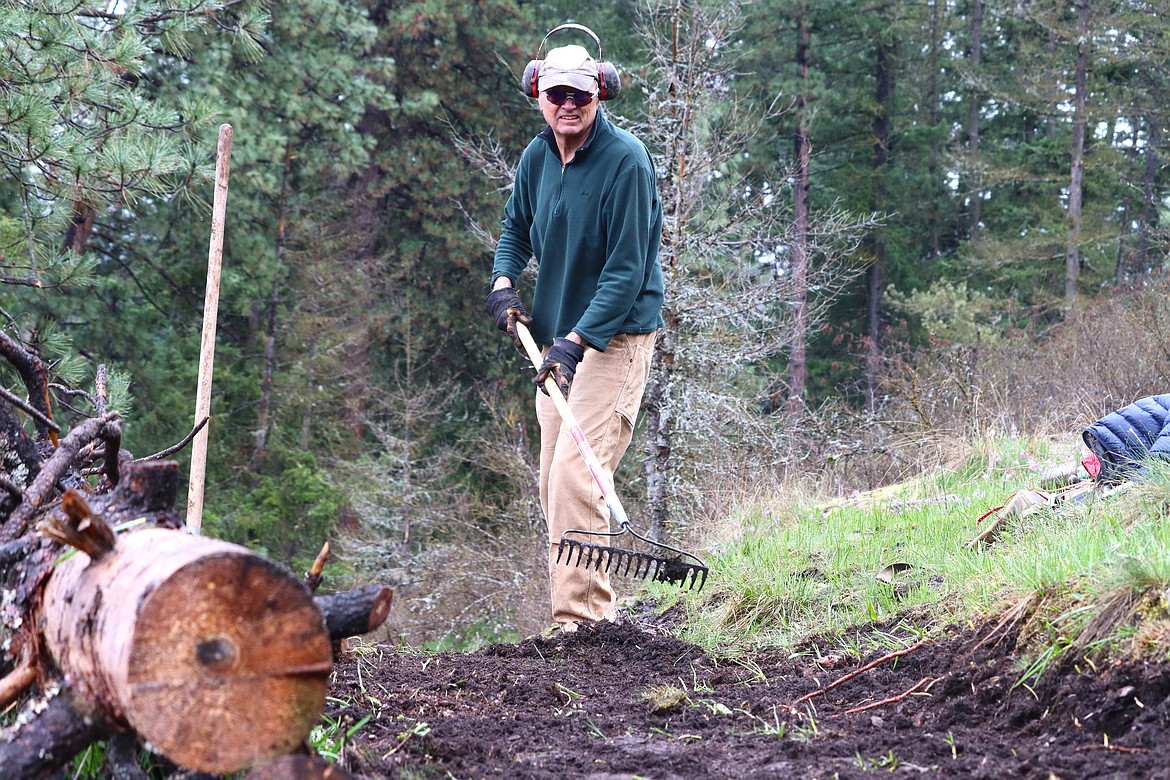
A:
(229, 664)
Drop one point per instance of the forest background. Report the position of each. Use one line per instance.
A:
(892, 229)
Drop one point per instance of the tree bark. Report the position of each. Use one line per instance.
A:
(875, 274)
(355, 612)
(62, 730)
(974, 196)
(802, 149)
(1072, 258)
(264, 407)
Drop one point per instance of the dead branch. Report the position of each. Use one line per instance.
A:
(62, 730)
(28, 409)
(846, 677)
(927, 681)
(105, 427)
(82, 528)
(215, 656)
(22, 676)
(10, 487)
(176, 447)
(99, 403)
(355, 612)
(313, 575)
(14, 551)
(35, 374)
(122, 758)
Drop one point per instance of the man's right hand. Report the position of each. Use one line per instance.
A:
(506, 310)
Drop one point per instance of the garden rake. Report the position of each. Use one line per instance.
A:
(678, 568)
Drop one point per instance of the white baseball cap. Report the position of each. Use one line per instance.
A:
(568, 66)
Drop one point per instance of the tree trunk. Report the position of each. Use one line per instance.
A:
(264, 406)
(216, 656)
(1072, 258)
(875, 273)
(974, 196)
(659, 431)
(801, 149)
(1141, 260)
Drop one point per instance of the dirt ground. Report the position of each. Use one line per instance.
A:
(632, 701)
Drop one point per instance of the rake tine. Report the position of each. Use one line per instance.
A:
(674, 571)
(644, 564)
(626, 559)
(573, 547)
(643, 567)
(636, 562)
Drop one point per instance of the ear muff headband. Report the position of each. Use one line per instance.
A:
(608, 80)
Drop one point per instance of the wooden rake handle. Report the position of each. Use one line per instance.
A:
(562, 404)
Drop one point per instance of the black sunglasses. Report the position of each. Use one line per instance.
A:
(558, 97)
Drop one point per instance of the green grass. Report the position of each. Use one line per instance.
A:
(1083, 577)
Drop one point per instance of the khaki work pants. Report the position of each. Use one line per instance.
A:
(606, 392)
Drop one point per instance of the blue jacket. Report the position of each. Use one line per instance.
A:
(1122, 440)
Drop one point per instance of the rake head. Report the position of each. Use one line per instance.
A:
(631, 563)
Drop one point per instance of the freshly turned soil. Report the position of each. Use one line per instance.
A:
(629, 700)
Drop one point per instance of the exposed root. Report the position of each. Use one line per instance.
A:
(928, 682)
(846, 677)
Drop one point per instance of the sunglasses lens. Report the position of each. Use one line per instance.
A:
(558, 97)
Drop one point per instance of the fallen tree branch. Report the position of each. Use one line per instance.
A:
(122, 758)
(28, 409)
(46, 481)
(165, 628)
(313, 575)
(176, 447)
(355, 612)
(23, 675)
(846, 677)
(927, 681)
(35, 374)
(16, 550)
(39, 748)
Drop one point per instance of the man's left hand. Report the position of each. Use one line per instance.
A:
(560, 363)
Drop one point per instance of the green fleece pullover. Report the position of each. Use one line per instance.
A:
(594, 226)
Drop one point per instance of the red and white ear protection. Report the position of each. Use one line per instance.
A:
(608, 80)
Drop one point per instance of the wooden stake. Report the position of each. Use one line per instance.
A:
(207, 347)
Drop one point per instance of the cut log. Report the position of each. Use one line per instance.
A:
(217, 657)
(355, 612)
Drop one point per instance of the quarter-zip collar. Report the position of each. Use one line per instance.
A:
(551, 139)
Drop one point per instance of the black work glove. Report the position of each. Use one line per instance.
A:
(560, 362)
(506, 310)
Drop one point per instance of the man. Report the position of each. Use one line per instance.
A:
(585, 205)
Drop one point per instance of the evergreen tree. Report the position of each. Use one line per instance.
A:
(88, 143)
